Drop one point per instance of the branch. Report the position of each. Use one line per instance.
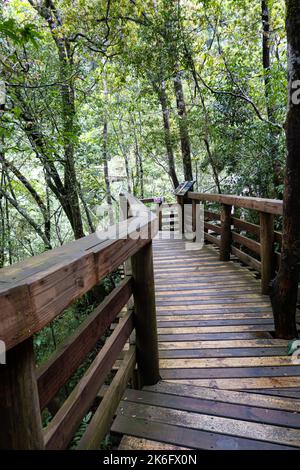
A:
(27, 217)
(25, 183)
(243, 97)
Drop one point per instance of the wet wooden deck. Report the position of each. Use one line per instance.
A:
(226, 382)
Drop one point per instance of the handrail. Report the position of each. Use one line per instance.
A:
(269, 206)
(43, 286)
(34, 292)
(227, 231)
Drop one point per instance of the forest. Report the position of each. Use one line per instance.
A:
(102, 99)
(102, 96)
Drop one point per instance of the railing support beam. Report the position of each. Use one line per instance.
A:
(267, 250)
(145, 316)
(20, 419)
(225, 248)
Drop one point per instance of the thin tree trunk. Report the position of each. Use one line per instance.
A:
(68, 116)
(123, 148)
(106, 174)
(167, 133)
(138, 162)
(47, 9)
(285, 286)
(183, 128)
(86, 210)
(213, 166)
(274, 134)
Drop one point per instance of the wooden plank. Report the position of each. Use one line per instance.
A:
(246, 226)
(248, 242)
(214, 317)
(215, 407)
(214, 228)
(61, 429)
(226, 372)
(213, 336)
(232, 352)
(70, 354)
(226, 362)
(250, 343)
(213, 291)
(210, 215)
(212, 239)
(225, 396)
(220, 309)
(288, 393)
(182, 436)
(271, 206)
(243, 383)
(247, 259)
(225, 426)
(198, 323)
(135, 443)
(99, 425)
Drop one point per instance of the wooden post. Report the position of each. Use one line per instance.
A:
(225, 248)
(194, 216)
(180, 202)
(20, 418)
(267, 250)
(145, 315)
(159, 215)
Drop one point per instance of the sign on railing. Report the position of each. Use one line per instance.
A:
(184, 188)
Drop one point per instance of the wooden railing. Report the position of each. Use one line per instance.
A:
(253, 244)
(158, 201)
(33, 293)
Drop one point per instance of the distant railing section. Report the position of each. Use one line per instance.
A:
(253, 244)
(35, 292)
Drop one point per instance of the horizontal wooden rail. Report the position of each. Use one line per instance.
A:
(72, 352)
(246, 226)
(64, 424)
(248, 242)
(34, 292)
(270, 206)
(43, 286)
(232, 231)
(104, 414)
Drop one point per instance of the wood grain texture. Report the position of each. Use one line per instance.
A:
(70, 354)
(271, 206)
(100, 423)
(35, 291)
(61, 429)
(215, 344)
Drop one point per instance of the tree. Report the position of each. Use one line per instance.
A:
(285, 286)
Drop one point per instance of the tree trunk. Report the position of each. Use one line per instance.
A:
(48, 11)
(183, 128)
(106, 174)
(274, 134)
(68, 115)
(285, 286)
(213, 165)
(168, 140)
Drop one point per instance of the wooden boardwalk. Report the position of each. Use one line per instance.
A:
(226, 382)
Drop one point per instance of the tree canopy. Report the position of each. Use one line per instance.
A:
(99, 96)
